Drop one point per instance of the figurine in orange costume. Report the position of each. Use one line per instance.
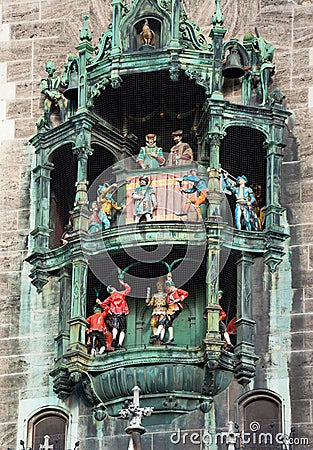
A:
(118, 312)
(97, 330)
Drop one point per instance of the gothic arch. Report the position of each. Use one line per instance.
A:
(52, 422)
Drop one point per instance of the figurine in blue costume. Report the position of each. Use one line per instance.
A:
(199, 186)
(145, 201)
(150, 156)
(244, 213)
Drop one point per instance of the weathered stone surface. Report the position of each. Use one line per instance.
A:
(17, 108)
(14, 51)
(19, 70)
(60, 9)
(25, 128)
(26, 11)
(35, 30)
(24, 89)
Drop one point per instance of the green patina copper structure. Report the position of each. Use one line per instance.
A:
(113, 92)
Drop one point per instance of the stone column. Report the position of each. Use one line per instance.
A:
(78, 302)
(42, 186)
(85, 50)
(213, 339)
(244, 350)
(175, 23)
(214, 194)
(117, 7)
(273, 210)
(82, 150)
(217, 34)
(63, 338)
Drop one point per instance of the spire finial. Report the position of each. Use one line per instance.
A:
(218, 16)
(85, 33)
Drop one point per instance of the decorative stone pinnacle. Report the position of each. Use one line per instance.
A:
(85, 33)
(218, 16)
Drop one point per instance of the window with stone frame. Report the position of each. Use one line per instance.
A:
(261, 419)
(48, 426)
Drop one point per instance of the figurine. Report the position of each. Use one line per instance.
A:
(118, 312)
(145, 200)
(107, 203)
(180, 153)
(147, 35)
(175, 298)
(50, 87)
(150, 156)
(265, 54)
(94, 223)
(159, 303)
(232, 330)
(68, 230)
(222, 327)
(199, 186)
(244, 199)
(97, 330)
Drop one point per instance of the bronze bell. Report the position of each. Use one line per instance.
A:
(233, 67)
(71, 92)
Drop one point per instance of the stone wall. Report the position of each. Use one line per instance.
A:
(31, 32)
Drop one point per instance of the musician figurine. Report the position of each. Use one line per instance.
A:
(150, 156)
(244, 213)
(180, 153)
(145, 200)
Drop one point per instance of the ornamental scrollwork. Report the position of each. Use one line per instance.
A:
(192, 36)
(105, 45)
(202, 78)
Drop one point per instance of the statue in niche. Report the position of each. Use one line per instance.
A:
(97, 331)
(147, 36)
(145, 201)
(180, 153)
(51, 88)
(159, 303)
(175, 298)
(199, 186)
(150, 156)
(107, 204)
(245, 215)
(118, 312)
(265, 54)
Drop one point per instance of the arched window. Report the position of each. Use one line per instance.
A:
(50, 425)
(260, 417)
